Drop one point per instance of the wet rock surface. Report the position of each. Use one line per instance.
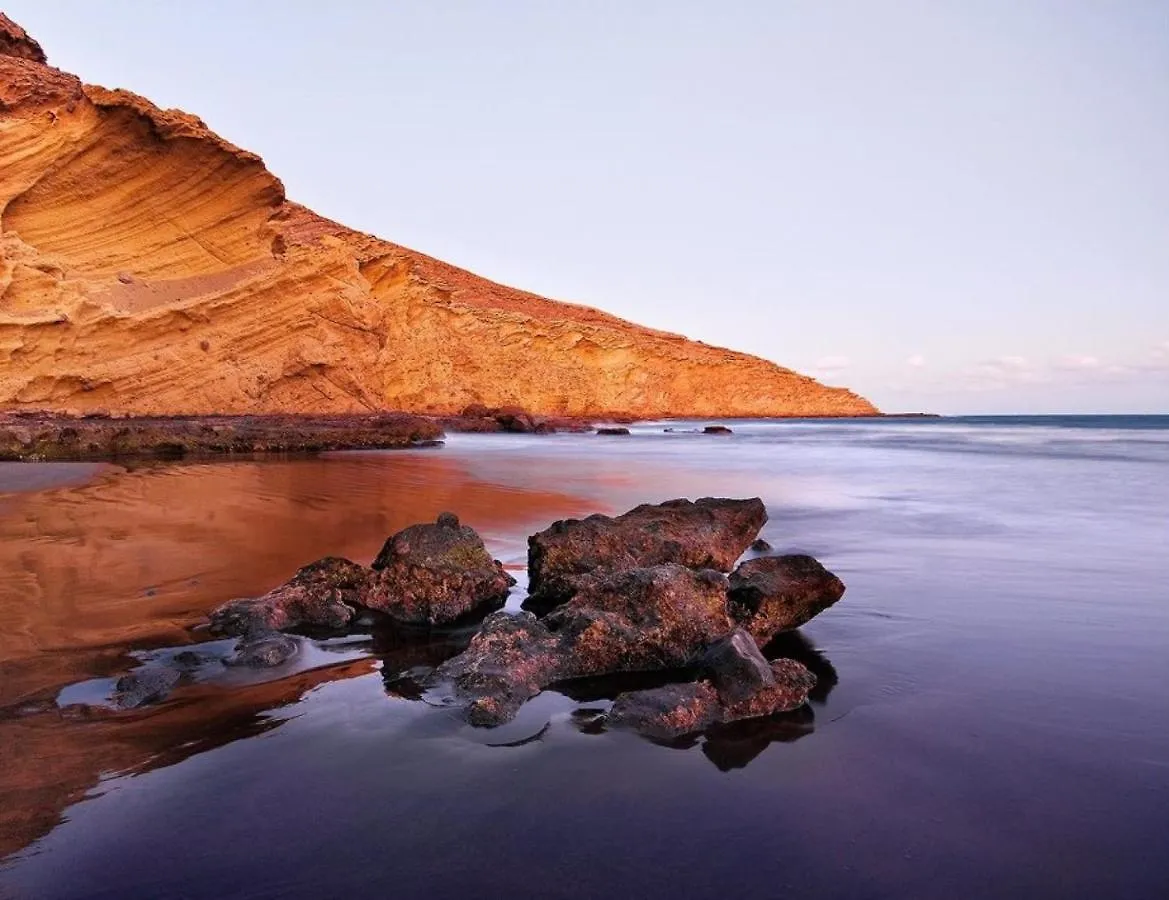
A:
(148, 684)
(435, 574)
(778, 593)
(323, 595)
(692, 631)
(51, 436)
(710, 533)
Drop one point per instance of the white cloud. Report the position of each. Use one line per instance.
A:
(917, 361)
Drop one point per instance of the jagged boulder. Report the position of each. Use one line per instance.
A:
(325, 594)
(710, 533)
(780, 593)
(742, 685)
(435, 574)
(644, 619)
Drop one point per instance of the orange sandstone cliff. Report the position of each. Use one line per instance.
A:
(148, 266)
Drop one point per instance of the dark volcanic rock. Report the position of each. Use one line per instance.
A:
(262, 650)
(146, 685)
(640, 620)
(708, 534)
(511, 658)
(659, 617)
(678, 709)
(736, 667)
(779, 593)
(435, 574)
(325, 594)
(667, 712)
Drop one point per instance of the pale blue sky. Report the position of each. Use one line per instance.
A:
(947, 206)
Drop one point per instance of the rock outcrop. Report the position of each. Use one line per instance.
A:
(710, 533)
(148, 266)
(778, 593)
(435, 574)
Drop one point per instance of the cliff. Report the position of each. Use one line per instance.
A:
(148, 266)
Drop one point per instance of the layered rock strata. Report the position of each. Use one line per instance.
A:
(149, 266)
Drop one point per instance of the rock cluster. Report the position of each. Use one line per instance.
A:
(641, 592)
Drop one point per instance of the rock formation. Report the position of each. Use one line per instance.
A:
(148, 266)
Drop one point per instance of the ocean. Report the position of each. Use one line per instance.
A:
(991, 718)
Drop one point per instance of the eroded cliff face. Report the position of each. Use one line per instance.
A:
(149, 266)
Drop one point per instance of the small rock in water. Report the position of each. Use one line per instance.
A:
(760, 546)
(263, 651)
(613, 432)
(146, 685)
(716, 429)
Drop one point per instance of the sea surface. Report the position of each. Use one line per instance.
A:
(991, 718)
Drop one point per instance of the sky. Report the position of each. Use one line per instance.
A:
(954, 207)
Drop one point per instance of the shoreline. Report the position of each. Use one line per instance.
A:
(53, 436)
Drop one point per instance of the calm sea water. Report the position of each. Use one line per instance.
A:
(992, 718)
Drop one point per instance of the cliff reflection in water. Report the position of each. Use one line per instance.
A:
(134, 559)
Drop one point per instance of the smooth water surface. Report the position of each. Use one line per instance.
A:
(992, 717)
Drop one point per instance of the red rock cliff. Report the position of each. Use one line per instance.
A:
(149, 266)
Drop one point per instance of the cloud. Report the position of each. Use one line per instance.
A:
(917, 361)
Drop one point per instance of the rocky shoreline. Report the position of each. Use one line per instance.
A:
(48, 436)
(643, 592)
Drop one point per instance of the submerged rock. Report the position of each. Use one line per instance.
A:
(613, 432)
(263, 650)
(667, 712)
(716, 429)
(325, 594)
(710, 533)
(148, 684)
(760, 546)
(778, 593)
(435, 574)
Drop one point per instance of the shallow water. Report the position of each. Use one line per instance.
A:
(992, 717)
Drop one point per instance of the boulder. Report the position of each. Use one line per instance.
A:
(736, 667)
(510, 659)
(645, 619)
(325, 594)
(760, 546)
(435, 574)
(669, 712)
(710, 533)
(779, 593)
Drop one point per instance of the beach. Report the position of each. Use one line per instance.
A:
(990, 717)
